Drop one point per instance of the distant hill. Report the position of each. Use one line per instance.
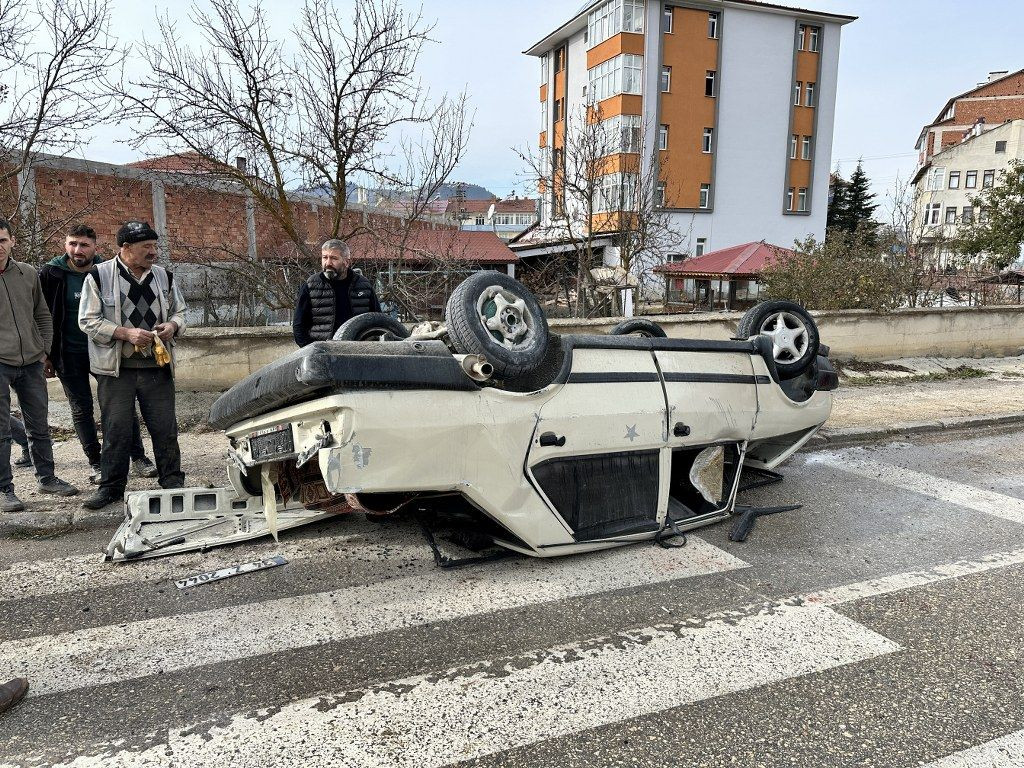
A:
(472, 191)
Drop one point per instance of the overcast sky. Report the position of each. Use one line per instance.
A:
(899, 63)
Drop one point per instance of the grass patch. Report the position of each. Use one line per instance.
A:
(953, 374)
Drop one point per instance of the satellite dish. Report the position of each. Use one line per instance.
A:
(490, 212)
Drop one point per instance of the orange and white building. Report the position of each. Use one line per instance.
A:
(738, 97)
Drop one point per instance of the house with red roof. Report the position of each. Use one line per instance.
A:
(725, 279)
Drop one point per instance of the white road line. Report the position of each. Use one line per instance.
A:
(980, 500)
(100, 655)
(490, 707)
(1005, 752)
(359, 542)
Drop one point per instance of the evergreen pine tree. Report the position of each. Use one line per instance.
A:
(861, 202)
(839, 205)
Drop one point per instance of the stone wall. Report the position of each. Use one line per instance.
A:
(216, 358)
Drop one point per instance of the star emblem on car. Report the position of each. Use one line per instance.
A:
(631, 433)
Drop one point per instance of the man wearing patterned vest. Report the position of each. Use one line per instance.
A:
(330, 297)
(127, 302)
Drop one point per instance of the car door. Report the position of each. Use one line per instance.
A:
(596, 452)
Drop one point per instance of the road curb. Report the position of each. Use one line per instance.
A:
(847, 435)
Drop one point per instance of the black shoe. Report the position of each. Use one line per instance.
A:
(102, 498)
(144, 468)
(13, 692)
(24, 461)
(57, 486)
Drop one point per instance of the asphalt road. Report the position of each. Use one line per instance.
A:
(880, 625)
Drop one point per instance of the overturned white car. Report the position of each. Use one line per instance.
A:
(537, 443)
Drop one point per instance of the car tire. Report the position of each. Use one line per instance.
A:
(371, 326)
(518, 340)
(793, 332)
(639, 326)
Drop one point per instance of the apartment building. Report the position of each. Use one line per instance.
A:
(737, 96)
(992, 102)
(509, 219)
(949, 181)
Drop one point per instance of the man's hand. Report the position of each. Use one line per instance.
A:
(48, 369)
(166, 330)
(136, 336)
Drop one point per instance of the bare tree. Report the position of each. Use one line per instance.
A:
(332, 103)
(602, 189)
(54, 58)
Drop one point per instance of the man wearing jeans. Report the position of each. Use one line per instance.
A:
(25, 334)
(127, 303)
(62, 279)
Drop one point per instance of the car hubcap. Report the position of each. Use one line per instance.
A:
(788, 334)
(504, 315)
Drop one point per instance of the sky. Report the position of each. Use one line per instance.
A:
(899, 64)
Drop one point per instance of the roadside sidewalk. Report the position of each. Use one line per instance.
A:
(877, 401)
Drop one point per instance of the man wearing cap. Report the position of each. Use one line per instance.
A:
(62, 279)
(127, 303)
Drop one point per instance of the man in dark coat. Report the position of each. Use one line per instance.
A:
(330, 297)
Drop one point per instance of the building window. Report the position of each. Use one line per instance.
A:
(544, 68)
(1000, 147)
(801, 199)
(800, 30)
(666, 79)
(662, 137)
(705, 196)
(951, 214)
(666, 20)
(812, 43)
(809, 95)
(675, 258)
(968, 215)
(936, 177)
(988, 179)
(479, 221)
(709, 83)
(971, 180)
(983, 215)
(559, 59)
(619, 75)
(713, 25)
(702, 246)
(612, 17)
(931, 213)
(954, 179)
(796, 93)
(793, 140)
(615, 192)
(805, 148)
(622, 133)
(707, 143)
(659, 195)
(559, 104)
(789, 198)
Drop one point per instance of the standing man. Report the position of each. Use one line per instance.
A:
(330, 297)
(62, 280)
(25, 334)
(127, 303)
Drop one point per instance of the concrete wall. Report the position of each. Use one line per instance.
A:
(216, 358)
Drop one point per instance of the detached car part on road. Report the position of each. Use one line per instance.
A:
(541, 444)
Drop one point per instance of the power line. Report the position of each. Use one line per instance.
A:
(876, 157)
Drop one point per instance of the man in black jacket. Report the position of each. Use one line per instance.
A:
(330, 297)
(61, 279)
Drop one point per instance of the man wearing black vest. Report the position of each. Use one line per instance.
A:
(330, 297)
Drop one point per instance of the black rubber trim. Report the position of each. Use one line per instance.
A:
(611, 378)
(656, 344)
(716, 378)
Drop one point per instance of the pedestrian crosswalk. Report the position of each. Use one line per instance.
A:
(481, 705)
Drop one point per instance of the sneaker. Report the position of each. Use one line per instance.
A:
(13, 692)
(57, 486)
(9, 502)
(102, 498)
(95, 474)
(24, 461)
(144, 467)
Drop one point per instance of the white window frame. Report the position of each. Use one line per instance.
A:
(711, 77)
(790, 196)
(800, 30)
(666, 19)
(794, 139)
(623, 134)
(796, 92)
(662, 137)
(805, 148)
(665, 82)
(801, 200)
(702, 246)
(936, 178)
(615, 192)
(931, 214)
(612, 17)
(814, 43)
(809, 95)
(713, 25)
(618, 75)
(708, 141)
(659, 194)
(705, 196)
(544, 69)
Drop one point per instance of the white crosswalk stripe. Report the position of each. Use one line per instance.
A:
(138, 649)
(856, 462)
(1005, 752)
(486, 708)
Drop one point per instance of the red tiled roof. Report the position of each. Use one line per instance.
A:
(744, 260)
(426, 244)
(525, 205)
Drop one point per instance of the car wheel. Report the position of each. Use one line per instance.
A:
(495, 316)
(792, 330)
(371, 326)
(639, 326)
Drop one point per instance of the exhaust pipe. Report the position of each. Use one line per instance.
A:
(476, 367)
